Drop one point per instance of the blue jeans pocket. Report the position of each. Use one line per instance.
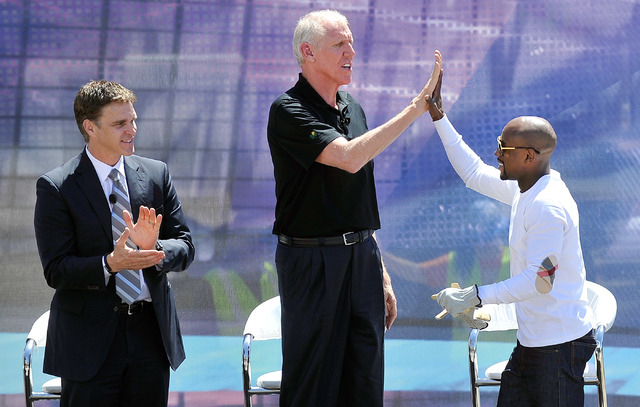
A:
(581, 352)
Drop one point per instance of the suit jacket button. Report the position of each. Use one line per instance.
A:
(115, 308)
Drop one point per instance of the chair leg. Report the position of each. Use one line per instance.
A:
(602, 396)
(475, 390)
(599, 356)
(473, 368)
(27, 372)
(602, 388)
(475, 396)
(246, 369)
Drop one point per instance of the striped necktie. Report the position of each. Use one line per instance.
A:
(127, 281)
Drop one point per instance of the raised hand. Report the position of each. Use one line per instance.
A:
(422, 100)
(146, 230)
(434, 100)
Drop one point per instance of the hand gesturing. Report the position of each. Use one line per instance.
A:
(144, 233)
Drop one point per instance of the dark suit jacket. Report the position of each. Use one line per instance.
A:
(73, 231)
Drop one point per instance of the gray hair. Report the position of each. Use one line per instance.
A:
(312, 27)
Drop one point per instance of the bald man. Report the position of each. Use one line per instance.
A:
(547, 282)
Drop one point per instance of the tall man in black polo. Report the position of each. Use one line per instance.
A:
(336, 295)
(110, 353)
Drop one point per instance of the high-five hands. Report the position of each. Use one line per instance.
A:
(434, 99)
(462, 303)
(422, 100)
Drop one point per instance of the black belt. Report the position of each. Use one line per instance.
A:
(346, 239)
(133, 308)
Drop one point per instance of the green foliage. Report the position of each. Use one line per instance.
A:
(245, 298)
(269, 281)
(224, 312)
(233, 299)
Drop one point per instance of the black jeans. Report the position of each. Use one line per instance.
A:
(549, 376)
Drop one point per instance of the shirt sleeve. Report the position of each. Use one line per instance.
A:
(476, 175)
(300, 133)
(545, 226)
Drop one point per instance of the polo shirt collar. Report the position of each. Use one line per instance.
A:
(308, 92)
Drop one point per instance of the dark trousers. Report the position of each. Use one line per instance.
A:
(547, 376)
(135, 373)
(332, 325)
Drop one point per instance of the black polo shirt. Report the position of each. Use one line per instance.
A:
(314, 199)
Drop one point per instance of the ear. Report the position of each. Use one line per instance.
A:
(531, 156)
(307, 52)
(89, 126)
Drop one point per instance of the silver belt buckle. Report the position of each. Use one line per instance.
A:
(344, 239)
(129, 308)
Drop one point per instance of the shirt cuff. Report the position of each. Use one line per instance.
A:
(106, 272)
(487, 294)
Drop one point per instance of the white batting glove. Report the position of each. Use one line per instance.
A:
(457, 300)
(475, 321)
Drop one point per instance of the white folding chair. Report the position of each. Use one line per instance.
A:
(37, 339)
(503, 317)
(263, 324)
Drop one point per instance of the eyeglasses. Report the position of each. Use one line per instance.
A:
(501, 148)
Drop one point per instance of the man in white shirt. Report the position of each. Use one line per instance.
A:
(547, 283)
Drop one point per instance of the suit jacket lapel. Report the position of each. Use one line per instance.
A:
(136, 181)
(90, 185)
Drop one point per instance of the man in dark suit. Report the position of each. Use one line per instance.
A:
(109, 352)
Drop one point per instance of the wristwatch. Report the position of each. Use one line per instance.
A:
(106, 265)
(159, 246)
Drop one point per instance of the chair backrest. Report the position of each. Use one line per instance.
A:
(37, 338)
(264, 321)
(38, 330)
(603, 305)
(503, 316)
